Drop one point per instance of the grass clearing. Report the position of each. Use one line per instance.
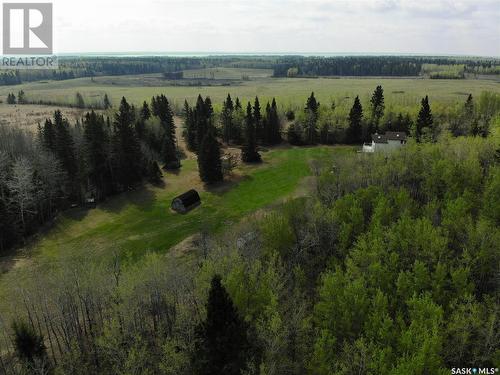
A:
(136, 223)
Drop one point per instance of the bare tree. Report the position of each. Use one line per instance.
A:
(22, 188)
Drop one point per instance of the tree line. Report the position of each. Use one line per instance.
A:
(390, 260)
(292, 66)
(79, 101)
(326, 125)
(244, 128)
(75, 67)
(65, 164)
(86, 162)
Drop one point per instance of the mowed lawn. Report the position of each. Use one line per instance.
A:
(138, 222)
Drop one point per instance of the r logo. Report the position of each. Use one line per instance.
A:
(27, 28)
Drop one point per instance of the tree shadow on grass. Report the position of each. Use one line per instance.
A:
(232, 182)
(142, 197)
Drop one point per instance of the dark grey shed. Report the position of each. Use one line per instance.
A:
(186, 202)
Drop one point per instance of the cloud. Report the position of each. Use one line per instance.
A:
(395, 26)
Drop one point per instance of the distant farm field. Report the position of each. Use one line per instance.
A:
(290, 92)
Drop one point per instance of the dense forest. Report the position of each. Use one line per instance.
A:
(289, 66)
(390, 267)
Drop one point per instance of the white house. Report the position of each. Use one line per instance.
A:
(385, 142)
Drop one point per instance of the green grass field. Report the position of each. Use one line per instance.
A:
(290, 92)
(139, 222)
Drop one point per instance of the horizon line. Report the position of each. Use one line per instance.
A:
(270, 54)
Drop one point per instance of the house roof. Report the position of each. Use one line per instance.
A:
(389, 136)
(189, 198)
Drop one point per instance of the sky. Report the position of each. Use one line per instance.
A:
(437, 27)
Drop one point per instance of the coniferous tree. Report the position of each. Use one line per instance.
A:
(424, 120)
(227, 119)
(312, 105)
(377, 108)
(209, 111)
(266, 125)
(169, 141)
(469, 118)
(189, 127)
(140, 130)
(127, 155)
(311, 110)
(222, 345)
(106, 102)
(249, 152)
(11, 98)
(21, 97)
(30, 348)
(209, 158)
(274, 123)
(145, 111)
(201, 117)
(79, 101)
(48, 135)
(97, 154)
(257, 121)
(237, 104)
(155, 176)
(355, 129)
(154, 107)
(64, 145)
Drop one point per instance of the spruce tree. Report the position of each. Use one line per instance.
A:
(189, 127)
(222, 345)
(127, 154)
(96, 154)
(11, 98)
(237, 104)
(469, 118)
(209, 158)
(424, 120)
(249, 152)
(274, 123)
(266, 124)
(64, 145)
(312, 105)
(227, 119)
(79, 101)
(145, 111)
(169, 141)
(155, 176)
(377, 108)
(21, 97)
(355, 129)
(30, 348)
(48, 135)
(106, 102)
(201, 116)
(257, 121)
(311, 110)
(154, 107)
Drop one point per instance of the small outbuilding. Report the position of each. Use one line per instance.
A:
(186, 202)
(385, 142)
